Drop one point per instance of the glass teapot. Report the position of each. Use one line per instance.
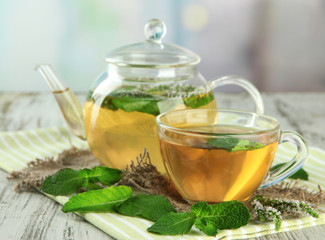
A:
(141, 81)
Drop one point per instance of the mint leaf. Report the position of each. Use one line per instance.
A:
(230, 214)
(225, 215)
(103, 200)
(150, 207)
(104, 175)
(173, 224)
(224, 143)
(131, 104)
(234, 144)
(64, 182)
(87, 184)
(201, 209)
(145, 98)
(244, 145)
(197, 101)
(300, 174)
(67, 181)
(208, 226)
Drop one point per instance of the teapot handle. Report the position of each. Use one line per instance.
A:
(250, 88)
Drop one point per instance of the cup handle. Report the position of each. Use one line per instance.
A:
(293, 165)
(250, 88)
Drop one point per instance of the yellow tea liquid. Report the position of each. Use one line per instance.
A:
(205, 173)
(117, 136)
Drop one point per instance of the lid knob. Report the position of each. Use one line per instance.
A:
(155, 30)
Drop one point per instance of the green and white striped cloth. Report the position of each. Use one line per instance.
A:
(18, 148)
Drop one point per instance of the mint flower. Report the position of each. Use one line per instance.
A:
(273, 209)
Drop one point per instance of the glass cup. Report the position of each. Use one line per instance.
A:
(220, 155)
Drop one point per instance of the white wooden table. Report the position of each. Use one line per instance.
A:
(34, 216)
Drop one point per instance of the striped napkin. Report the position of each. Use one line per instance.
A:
(18, 148)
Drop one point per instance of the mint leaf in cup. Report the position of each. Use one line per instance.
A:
(150, 207)
(102, 200)
(234, 144)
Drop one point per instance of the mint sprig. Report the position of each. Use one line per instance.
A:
(234, 144)
(225, 215)
(67, 181)
(210, 219)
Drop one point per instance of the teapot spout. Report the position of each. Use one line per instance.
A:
(66, 99)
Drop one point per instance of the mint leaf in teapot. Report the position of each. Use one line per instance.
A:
(173, 224)
(234, 144)
(150, 207)
(102, 200)
(131, 104)
(145, 98)
(197, 101)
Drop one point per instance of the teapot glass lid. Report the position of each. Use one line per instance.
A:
(153, 53)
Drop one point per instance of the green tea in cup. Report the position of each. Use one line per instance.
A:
(220, 155)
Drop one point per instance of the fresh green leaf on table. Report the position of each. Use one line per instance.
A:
(150, 207)
(225, 215)
(67, 181)
(64, 182)
(201, 209)
(105, 175)
(173, 224)
(102, 200)
(229, 214)
(207, 218)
